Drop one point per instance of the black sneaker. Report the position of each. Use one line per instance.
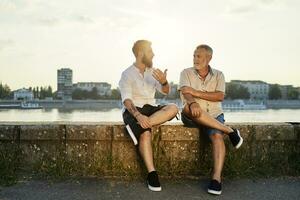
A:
(236, 138)
(214, 187)
(153, 182)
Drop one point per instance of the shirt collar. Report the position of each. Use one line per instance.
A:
(210, 71)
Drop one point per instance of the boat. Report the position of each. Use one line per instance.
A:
(25, 105)
(242, 105)
(10, 106)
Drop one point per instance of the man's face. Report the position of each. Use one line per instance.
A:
(148, 56)
(201, 58)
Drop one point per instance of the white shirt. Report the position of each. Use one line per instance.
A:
(140, 89)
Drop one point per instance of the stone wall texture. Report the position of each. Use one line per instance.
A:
(105, 149)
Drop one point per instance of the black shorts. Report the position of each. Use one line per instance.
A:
(130, 120)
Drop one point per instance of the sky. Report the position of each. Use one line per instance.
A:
(251, 39)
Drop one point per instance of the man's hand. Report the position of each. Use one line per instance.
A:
(188, 90)
(195, 110)
(160, 76)
(143, 121)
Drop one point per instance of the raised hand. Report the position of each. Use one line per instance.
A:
(160, 76)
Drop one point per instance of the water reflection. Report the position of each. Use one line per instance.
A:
(115, 115)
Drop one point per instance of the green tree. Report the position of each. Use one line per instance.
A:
(115, 94)
(49, 91)
(5, 91)
(94, 93)
(274, 92)
(236, 91)
(79, 94)
(293, 94)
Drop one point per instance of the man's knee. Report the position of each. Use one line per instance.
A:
(145, 136)
(172, 108)
(217, 137)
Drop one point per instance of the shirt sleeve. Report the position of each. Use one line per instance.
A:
(184, 80)
(125, 87)
(221, 83)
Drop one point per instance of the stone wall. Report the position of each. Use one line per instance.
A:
(104, 149)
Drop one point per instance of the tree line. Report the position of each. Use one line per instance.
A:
(233, 91)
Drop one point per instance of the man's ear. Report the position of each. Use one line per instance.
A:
(209, 57)
(140, 54)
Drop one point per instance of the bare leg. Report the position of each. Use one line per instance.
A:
(157, 118)
(207, 120)
(145, 149)
(163, 115)
(218, 151)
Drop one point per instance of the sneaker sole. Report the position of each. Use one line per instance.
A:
(241, 140)
(131, 135)
(154, 189)
(214, 192)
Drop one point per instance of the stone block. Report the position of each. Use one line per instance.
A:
(178, 133)
(42, 132)
(8, 132)
(275, 131)
(88, 132)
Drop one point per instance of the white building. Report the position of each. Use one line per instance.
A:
(103, 88)
(23, 94)
(257, 89)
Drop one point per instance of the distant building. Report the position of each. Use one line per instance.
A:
(257, 89)
(103, 88)
(23, 94)
(64, 83)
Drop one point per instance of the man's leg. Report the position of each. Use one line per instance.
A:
(207, 120)
(218, 153)
(145, 148)
(163, 115)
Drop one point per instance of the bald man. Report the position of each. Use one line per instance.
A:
(138, 85)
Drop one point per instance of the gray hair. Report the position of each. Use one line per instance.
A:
(206, 47)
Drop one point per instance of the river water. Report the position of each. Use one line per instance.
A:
(114, 115)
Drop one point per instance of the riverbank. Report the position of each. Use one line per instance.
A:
(109, 103)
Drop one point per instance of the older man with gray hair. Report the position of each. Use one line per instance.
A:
(202, 89)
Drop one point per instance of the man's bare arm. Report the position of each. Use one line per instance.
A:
(143, 120)
(131, 107)
(210, 96)
(193, 108)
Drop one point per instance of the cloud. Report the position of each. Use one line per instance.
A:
(11, 5)
(5, 43)
(244, 7)
(57, 21)
(82, 19)
(48, 21)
